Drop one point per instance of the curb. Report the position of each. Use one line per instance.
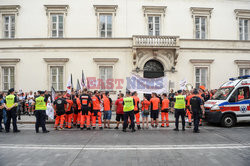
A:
(112, 122)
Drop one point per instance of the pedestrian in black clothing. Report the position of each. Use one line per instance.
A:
(197, 109)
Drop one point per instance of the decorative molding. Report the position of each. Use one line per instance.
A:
(56, 59)
(105, 9)
(242, 62)
(242, 13)
(56, 9)
(9, 60)
(200, 11)
(105, 59)
(208, 61)
(154, 10)
(9, 9)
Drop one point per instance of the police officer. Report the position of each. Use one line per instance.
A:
(197, 109)
(40, 112)
(11, 108)
(179, 107)
(128, 109)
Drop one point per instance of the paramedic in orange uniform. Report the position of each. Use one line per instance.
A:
(85, 99)
(59, 106)
(69, 113)
(77, 111)
(241, 96)
(155, 102)
(96, 102)
(136, 110)
(164, 110)
(188, 113)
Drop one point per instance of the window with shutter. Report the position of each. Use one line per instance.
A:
(154, 25)
(9, 26)
(8, 78)
(105, 27)
(106, 72)
(201, 76)
(56, 73)
(57, 25)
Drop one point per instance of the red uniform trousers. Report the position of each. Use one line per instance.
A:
(59, 120)
(85, 118)
(96, 114)
(164, 118)
(137, 117)
(68, 120)
(188, 113)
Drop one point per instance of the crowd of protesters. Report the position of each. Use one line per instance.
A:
(84, 109)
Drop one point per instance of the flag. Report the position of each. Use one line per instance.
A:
(83, 81)
(72, 85)
(183, 84)
(69, 84)
(78, 87)
(53, 94)
(50, 111)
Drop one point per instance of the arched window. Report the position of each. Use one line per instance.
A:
(153, 69)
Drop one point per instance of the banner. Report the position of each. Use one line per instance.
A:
(183, 84)
(50, 111)
(147, 85)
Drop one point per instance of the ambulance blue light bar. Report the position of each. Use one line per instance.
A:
(244, 77)
(232, 79)
(240, 77)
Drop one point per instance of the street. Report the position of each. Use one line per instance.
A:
(162, 146)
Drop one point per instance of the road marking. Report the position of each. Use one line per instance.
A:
(125, 147)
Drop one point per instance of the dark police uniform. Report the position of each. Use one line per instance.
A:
(195, 104)
(40, 113)
(10, 100)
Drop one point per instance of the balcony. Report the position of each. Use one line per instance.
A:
(155, 41)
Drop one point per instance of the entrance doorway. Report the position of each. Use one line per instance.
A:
(153, 69)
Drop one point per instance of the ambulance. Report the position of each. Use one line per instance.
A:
(231, 103)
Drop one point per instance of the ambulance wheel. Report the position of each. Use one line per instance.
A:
(228, 120)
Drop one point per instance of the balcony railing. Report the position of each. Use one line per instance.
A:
(155, 41)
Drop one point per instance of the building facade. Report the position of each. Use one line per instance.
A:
(43, 41)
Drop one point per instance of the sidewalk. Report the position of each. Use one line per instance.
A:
(32, 119)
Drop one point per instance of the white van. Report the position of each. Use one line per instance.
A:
(231, 103)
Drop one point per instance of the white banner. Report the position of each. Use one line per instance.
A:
(50, 111)
(147, 85)
(183, 84)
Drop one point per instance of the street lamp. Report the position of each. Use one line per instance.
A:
(137, 69)
(173, 69)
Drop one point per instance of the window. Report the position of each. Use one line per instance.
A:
(201, 22)
(56, 20)
(8, 78)
(241, 93)
(9, 26)
(154, 25)
(244, 71)
(200, 27)
(106, 72)
(56, 73)
(244, 29)
(201, 76)
(105, 26)
(57, 25)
